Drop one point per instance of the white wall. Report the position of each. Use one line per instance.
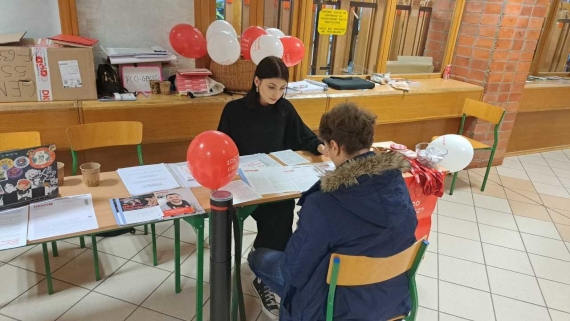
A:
(40, 18)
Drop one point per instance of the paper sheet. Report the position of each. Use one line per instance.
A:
(303, 177)
(290, 158)
(325, 167)
(268, 180)
(182, 173)
(143, 214)
(257, 161)
(13, 228)
(61, 216)
(147, 179)
(242, 192)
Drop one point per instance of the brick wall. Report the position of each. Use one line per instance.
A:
(442, 14)
(494, 49)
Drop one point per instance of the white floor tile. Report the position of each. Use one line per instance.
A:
(133, 282)
(187, 233)
(76, 241)
(535, 211)
(565, 181)
(142, 314)
(8, 255)
(160, 227)
(492, 203)
(433, 242)
(514, 173)
(558, 164)
(97, 306)
(81, 270)
(559, 216)
(536, 160)
(457, 227)
(559, 316)
(545, 247)
(537, 227)
(459, 196)
(165, 253)
(15, 281)
(557, 295)
(181, 305)
(33, 260)
(550, 179)
(556, 155)
(463, 272)
(512, 162)
(125, 246)
(36, 304)
(428, 267)
(427, 292)
(188, 267)
(513, 310)
(449, 317)
(507, 259)
(515, 285)
(465, 302)
(564, 173)
(250, 224)
(252, 309)
(456, 210)
(497, 219)
(551, 269)
(501, 237)
(5, 318)
(460, 248)
(558, 191)
(532, 168)
(434, 223)
(425, 314)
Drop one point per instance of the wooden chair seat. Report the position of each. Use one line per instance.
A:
(474, 143)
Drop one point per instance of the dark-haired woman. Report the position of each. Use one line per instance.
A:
(265, 122)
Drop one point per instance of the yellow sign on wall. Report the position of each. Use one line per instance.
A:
(333, 22)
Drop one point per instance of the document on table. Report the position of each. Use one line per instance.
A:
(62, 216)
(268, 180)
(147, 179)
(290, 158)
(257, 161)
(183, 174)
(13, 228)
(126, 215)
(302, 176)
(242, 192)
(325, 167)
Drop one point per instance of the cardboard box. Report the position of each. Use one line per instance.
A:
(31, 72)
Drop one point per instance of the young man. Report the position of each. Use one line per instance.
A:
(361, 208)
(175, 201)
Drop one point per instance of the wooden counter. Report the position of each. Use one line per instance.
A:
(431, 107)
(543, 118)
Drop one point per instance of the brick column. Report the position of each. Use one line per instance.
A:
(494, 49)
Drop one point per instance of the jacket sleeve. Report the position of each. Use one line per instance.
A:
(224, 124)
(307, 247)
(297, 135)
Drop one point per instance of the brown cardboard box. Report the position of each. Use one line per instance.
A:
(24, 75)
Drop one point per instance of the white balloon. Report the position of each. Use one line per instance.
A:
(224, 48)
(220, 26)
(460, 152)
(275, 32)
(265, 46)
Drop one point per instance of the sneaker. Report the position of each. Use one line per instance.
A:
(268, 303)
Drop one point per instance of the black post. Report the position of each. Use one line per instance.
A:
(220, 255)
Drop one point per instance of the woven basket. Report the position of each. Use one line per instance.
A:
(235, 77)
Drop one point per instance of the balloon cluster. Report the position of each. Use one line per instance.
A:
(222, 45)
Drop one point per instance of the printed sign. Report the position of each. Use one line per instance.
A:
(70, 76)
(136, 78)
(333, 22)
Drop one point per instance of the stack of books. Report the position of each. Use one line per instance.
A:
(194, 80)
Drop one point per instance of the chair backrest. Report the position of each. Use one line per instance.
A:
(484, 111)
(362, 270)
(106, 134)
(19, 140)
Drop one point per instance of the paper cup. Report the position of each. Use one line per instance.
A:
(155, 86)
(60, 173)
(91, 173)
(165, 87)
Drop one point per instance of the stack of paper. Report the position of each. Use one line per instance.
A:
(303, 177)
(146, 179)
(290, 158)
(241, 192)
(305, 86)
(257, 161)
(267, 180)
(13, 228)
(325, 167)
(137, 55)
(183, 175)
(62, 216)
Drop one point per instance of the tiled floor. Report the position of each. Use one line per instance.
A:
(502, 254)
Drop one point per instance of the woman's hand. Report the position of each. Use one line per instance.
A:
(322, 149)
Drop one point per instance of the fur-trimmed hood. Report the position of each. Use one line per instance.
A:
(347, 175)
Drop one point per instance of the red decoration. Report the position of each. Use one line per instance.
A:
(293, 50)
(248, 37)
(188, 41)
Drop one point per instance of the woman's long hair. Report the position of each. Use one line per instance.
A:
(268, 67)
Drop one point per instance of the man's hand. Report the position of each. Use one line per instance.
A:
(322, 149)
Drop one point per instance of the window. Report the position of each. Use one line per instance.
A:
(552, 56)
(244, 13)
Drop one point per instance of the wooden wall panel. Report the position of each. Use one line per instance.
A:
(417, 132)
(539, 130)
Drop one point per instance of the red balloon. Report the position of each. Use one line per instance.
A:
(293, 50)
(213, 159)
(248, 37)
(188, 41)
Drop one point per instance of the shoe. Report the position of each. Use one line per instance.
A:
(268, 303)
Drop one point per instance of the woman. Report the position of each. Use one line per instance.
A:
(362, 208)
(265, 122)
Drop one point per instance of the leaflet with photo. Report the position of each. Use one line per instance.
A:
(179, 201)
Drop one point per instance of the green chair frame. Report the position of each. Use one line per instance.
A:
(336, 264)
(487, 112)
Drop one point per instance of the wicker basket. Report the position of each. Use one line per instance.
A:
(235, 77)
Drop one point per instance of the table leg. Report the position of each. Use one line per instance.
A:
(82, 242)
(47, 267)
(154, 254)
(54, 249)
(145, 229)
(177, 286)
(200, 270)
(95, 257)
